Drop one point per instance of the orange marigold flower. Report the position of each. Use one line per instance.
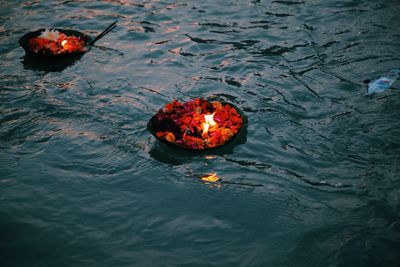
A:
(170, 137)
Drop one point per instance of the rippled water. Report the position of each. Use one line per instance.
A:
(315, 184)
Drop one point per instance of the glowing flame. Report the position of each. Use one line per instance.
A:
(209, 121)
(63, 42)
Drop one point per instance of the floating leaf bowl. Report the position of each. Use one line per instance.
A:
(24, 42)
(88, 42)
(237, 138)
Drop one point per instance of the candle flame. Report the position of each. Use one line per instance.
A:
(209, 121)
(63, 42)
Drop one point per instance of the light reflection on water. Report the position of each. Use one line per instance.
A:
(314, 183)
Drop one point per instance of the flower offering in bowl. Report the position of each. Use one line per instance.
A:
(198, 124)
(59, 43)
(55, 43)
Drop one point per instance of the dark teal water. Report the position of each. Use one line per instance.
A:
(82, 183)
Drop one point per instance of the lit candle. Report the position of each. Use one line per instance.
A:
(209, 121)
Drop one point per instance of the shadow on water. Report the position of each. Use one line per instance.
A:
(48, 65)
(176, 156)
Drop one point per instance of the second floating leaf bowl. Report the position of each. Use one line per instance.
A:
(59, 44)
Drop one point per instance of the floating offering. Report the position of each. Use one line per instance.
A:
(197, 124)
(59, 43)
(54, 42)
(384, 82)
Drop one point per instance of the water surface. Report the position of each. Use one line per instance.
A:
(315, 184)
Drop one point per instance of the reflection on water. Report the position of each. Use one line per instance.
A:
(314, 181)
